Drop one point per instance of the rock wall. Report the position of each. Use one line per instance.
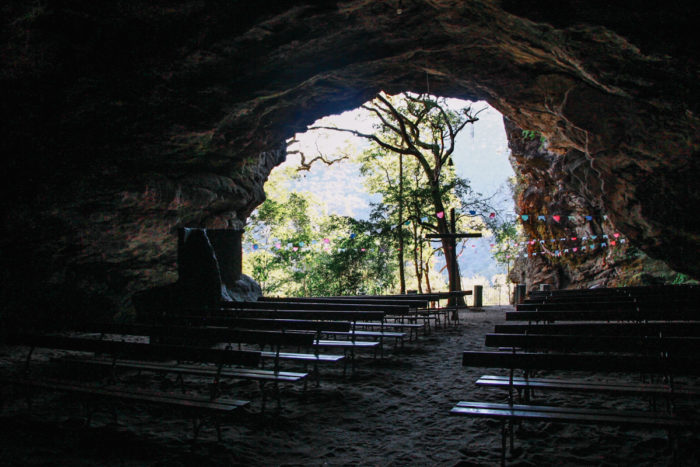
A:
(123, 121)
(548, 184)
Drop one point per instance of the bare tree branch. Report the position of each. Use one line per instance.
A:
(305, 165)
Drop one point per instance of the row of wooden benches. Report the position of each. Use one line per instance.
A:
(185, 336)
(653, 345)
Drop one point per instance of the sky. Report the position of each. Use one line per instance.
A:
(481, 155)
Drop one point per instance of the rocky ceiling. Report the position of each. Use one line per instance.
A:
(122, 121)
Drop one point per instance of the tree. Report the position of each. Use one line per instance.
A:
(423, 128)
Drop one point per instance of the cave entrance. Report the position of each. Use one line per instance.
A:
(327, 200)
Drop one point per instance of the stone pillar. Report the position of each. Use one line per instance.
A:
(520, 293)
(478, 296)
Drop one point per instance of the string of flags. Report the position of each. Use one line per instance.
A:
(567, 245)
(558, 218)
(552, 246)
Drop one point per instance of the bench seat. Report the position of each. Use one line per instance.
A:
(359, 333)
(346, 344)
(242, 373)
(303, 357)
(261, 376)
(388, 325)
(192, 404)
(579, 385)
(574, 415)
(509, 413)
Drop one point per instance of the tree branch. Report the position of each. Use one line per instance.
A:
(305, 165)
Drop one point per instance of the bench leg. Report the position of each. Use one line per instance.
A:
(261, 384)
(503, 442)
(196, 425)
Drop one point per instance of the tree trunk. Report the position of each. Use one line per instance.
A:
(449, 247)
(417, 261)
(402, 273)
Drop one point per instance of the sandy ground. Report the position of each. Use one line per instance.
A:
(394, 411)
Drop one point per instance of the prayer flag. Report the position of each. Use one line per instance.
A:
(556, 218)
(525, 217)
(440, 214)
(589, 218)
(473, 213)
(492, 215)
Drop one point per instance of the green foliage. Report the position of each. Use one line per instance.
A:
(533, 135)
(412, 187)
(314, 268)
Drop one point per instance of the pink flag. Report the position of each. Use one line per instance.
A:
(440, 214)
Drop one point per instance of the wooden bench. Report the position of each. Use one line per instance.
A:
(680, 328)
(135, 355)
(198, 408)
(208, 334)
(305, 359)
(350, 300)
(636, 336)
(510, 413)
(636, 291)
(411, 327)
(620, 315)
(609, 305)
(231, 315)
(671, 345)
(212, 406)
(428, 313)
(379, 335)
(525, 386)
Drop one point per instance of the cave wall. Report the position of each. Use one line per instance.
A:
(548, 184)
(123, 121)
